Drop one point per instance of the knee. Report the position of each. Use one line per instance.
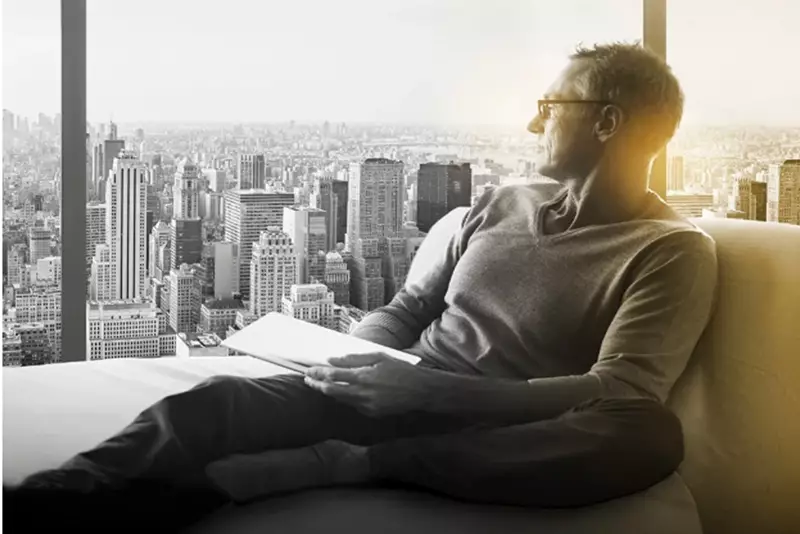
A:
(221, 385)
(642, 427)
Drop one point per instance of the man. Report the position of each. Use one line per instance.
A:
(551, 325)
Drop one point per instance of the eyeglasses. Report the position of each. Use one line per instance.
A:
(545, 105)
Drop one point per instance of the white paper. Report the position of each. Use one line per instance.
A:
(277, 337)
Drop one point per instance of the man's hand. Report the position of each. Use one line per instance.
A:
(375, 384)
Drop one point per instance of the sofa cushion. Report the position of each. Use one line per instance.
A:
(739, 398)
(55, 411)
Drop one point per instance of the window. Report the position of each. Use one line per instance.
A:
(32, 183)
(733, 155)
(450, 64)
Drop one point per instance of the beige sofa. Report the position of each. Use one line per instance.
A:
(739, 401)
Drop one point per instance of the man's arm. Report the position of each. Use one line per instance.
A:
(398, 325)
(648, 344)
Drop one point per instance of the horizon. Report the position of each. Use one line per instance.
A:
(448, 64)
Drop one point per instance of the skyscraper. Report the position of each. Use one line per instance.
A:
(38, 243)
(376, 200)
(337, 278)
(186, 227)
(375, 211)
(306, 227)
(159, 235)
(675, 175)
(184, 305)
(251, 171)
(185, 191)
(247, 214)
(783, 192)
(126, 216)
(215, 179)
(441, 187)
(95, 227)
(218, 270)
(332, 200)
(750, 197)
(273, 271)
(17, 258)
(102, 286)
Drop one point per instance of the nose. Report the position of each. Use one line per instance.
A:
(536, 126)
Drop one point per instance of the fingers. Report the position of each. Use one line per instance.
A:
(339, 391)
(334, 374)
(359, 360)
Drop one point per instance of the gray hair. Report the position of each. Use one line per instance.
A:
(640, 82)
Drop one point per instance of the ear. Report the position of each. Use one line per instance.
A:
(609, 123)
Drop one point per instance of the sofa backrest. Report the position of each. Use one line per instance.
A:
(739, 398)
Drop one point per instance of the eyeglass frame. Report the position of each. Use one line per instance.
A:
(540, 104)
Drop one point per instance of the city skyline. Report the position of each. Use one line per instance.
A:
(449, 64)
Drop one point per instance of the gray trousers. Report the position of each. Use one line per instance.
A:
(600, 450)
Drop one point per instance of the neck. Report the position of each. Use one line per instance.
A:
(609, 193)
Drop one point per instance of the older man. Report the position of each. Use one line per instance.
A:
(551, 324)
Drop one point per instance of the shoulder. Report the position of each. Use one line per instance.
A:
(510, 204)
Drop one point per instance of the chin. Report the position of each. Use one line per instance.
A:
(545, 168)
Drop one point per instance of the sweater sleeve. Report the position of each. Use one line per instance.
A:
(664, 311)
(400, 323)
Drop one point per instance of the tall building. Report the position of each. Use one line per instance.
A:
(17, 258)
(675, 174)
(38, 244)
(750, 197)
(306, 227)
(273, 271)
(95, 227)
(441, 187)
(247, 214)
(218, 270)
(783, 192)
(312, 303)
(332, 199)
(185, 191)
(186, 227)
(337, 278)
(690, 204)
(251, 171)
(375, 196)
(41, 304)
(105, 153)
(102, 285)
(8, 124)
(126, 216)
(216, 179)
(184, 301)
(132, 328)
(159, 235)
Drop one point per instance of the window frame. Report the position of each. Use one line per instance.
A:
(74, 325)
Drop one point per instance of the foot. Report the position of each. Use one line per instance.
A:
(142, 506)
(246, 477)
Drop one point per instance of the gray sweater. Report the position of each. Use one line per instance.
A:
(618, 308)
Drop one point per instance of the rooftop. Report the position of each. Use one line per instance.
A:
(224, 304)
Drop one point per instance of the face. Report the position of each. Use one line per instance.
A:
(567, 138)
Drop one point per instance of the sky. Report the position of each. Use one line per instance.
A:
(423, 61)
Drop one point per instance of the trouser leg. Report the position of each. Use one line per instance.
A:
(179, 435)
(601, 450)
